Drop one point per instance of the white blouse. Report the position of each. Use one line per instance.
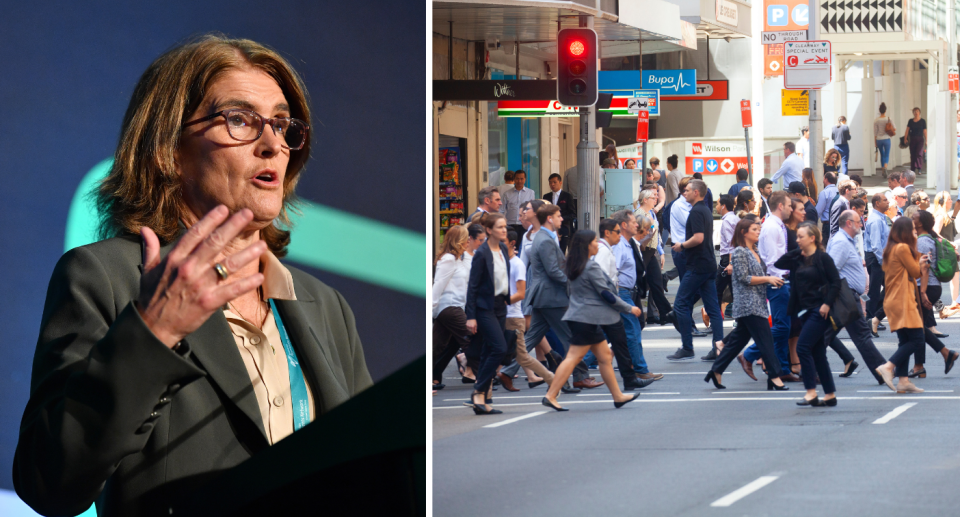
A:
(501, 284)
(450, 283)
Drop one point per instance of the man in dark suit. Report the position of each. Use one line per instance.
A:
(488, 200)
(568, 209)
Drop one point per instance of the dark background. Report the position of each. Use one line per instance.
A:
(66, 73)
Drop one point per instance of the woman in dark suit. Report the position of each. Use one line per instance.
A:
(593, 306)
(488, 294)
(815, 284)
(180, 346)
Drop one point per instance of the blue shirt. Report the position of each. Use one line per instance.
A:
(626, 266)
(875, 238)
(791, 170)
(679, 212)
(736, 188)
(843, 250)
(823, 202)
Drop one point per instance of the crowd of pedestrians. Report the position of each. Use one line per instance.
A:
(518, 287)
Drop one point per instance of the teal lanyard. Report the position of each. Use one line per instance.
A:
(298, 387)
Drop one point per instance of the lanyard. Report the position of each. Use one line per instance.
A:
(298, 387)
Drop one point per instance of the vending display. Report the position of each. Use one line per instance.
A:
(452, 206)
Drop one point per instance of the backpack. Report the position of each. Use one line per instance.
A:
(945, 266)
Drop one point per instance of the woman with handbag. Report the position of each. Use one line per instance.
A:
(750, 310)
(930, 290)
(883, 129)
(902, 266)
(488, 293)
(594, 308)
(815, 284)
(651, 253)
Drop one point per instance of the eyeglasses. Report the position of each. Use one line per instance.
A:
(247, 126)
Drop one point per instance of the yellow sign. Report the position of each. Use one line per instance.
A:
(795, 103)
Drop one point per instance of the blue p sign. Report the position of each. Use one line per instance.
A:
(777, 15)
(697, 165)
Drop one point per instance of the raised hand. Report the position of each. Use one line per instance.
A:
(179, 293)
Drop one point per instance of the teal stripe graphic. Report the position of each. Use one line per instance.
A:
(322, 237)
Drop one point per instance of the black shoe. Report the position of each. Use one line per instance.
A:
(681, 354)
(467, 380)
(940, 336)
(771, 386)
(439, 386)
(695, 332)
(619, 405)
(711, 355)
(712, 377)
(635, 383)
(951, 359)
(569, 390)
(478, 409)
(666, 279)
(850, 369)
(829, 402)
(535, 384)
(874, 334)
(881, 327)
(804, 402)
(668, 319)
(547, 403)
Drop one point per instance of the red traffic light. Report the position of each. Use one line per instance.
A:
(577, 48)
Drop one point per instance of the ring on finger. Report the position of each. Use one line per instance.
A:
(221, 271)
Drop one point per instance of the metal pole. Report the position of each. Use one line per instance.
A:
(450, 52)
(516, 45)
(746, 135)
(816, 122)
(589, 208)
(951, 141)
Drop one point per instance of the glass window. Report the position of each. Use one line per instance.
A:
(512, 143)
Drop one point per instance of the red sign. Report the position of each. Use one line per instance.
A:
(643, 125)
(746, 116)
(697, 149)
(715, 164)
(706, 91)
(953, 79)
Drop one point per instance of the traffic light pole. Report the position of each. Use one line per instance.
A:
(589, 208)
(815, 137)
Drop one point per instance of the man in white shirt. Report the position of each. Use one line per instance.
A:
(792, 167)
(605, 257)
(803, 146)
(507, 183)
(514, 197)
(773, 245)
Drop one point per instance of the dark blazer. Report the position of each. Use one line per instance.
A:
(480, 289)
(793, 260)
(568, 209)
(546, 280)
(116, 417)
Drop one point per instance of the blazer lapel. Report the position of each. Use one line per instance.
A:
(315, 351)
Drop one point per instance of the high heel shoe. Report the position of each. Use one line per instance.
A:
(535, 384)
(619, 405)
(813, 402)
(951, 359)
(850, 369)
(478, 409)
(711, 376)
(771, 386)
(549, 404)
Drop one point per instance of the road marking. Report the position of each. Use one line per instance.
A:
(891, 392)
(517, 419)
(750, 488)
(795, 396)
(895, 413)
(690, 373)
(642, 393)
(757, 392)
(507, 397)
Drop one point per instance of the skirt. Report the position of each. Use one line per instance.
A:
(585, 334)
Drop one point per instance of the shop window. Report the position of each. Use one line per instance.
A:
(512, 143)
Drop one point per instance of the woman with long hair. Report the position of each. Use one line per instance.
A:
(814, 283)
(902, 266)
(810, 182)
(916, 136)
(749, 307)
(945, 226)
(612, 154)
(449, 297)
(831, 161)
(488, 293)
(930, 291)
(651, 254)
(746, 203)
(594, 306)
(881, 137)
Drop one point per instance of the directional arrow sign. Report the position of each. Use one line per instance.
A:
(712, 165)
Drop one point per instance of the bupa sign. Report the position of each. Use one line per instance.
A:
(671, 82)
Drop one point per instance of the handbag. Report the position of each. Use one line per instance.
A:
(845, 308)
(889, 129)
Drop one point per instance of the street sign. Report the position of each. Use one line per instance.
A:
(716, 157)
(773, 60)
(774, 38)
(794, 103)
(746, 115)
(671, 82)
(953, 79)
(786, 15)
(620, 105)
(808, 65)
(643, 125)
(717, 90)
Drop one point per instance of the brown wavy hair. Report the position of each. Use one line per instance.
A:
(454, 242)
(143, 187)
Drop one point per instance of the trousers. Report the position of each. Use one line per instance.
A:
(545, 319)
(812, 350)
(779, 300)
(755, 327)
(875, 291)
(859, 331)
(631, 327)
(449, 335)
(693, 285)
(654, 276)
(524, 359)
(909, 341)
(490, 325)
(617, 337)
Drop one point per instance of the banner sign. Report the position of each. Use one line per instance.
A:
(953, 79)
(534, 109)
(495, 90)
(706, 91)
(716, 157)
(795, 103)
(671, 82)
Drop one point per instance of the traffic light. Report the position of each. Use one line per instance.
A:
(577, 63)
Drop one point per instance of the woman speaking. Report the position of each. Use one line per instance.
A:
(179, 346)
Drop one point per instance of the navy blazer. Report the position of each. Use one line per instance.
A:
(480, 289)
(568, 210)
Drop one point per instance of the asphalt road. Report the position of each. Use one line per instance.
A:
(684, 448)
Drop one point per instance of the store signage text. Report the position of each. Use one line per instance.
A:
(706, 91)
(501, 90)
(671, 82)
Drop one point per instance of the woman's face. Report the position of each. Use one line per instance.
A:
(499, 230)
(753, 233)
(798, 214)
(216, 169)
(751, 205)
(629, 165)
(475, 243)
(649, 202)
(917, 227)
(947, 202)
(594, 247)
(805, 238)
